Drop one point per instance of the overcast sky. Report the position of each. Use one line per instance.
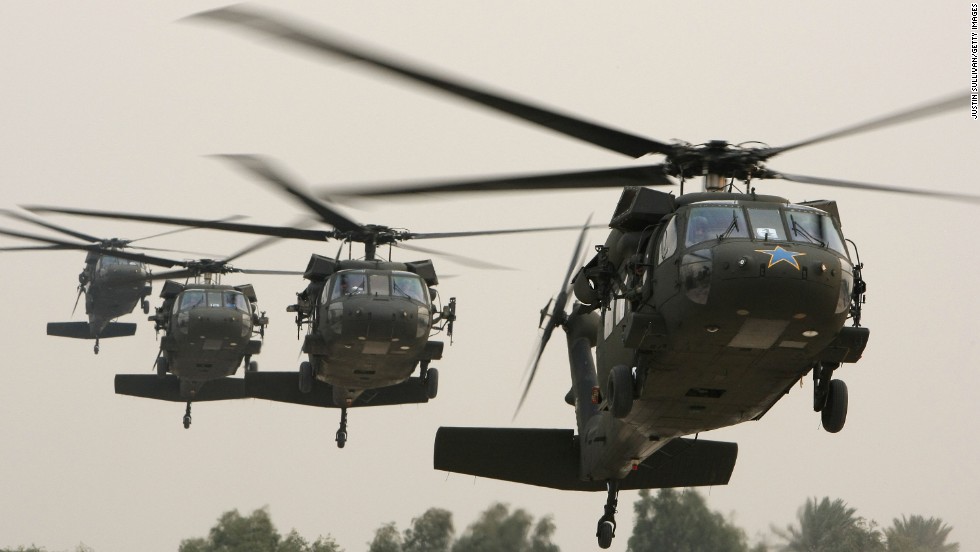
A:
(115, 105)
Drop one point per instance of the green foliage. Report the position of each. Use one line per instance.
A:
(499, 529)
(681, 521)
(255, 533)
(827, 526)
(431, 532)
(386, 539)
(918, 534)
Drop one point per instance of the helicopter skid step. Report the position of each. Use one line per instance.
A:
(284, 387)
(82, 330)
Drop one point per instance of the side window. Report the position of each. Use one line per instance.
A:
(668, 242)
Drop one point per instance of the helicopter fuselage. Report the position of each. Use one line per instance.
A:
(113, 288)
(717, 311)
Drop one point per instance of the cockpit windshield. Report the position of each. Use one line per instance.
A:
(396, 284)
(814, 227)
(212, 298)
(109, 260)
(715, 222)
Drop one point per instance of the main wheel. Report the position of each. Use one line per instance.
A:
(431, 383)
(605, 534)
(146, 306)
(834, 413)
(305, 377)
(253, 366)
(341, 439)
(619, 390)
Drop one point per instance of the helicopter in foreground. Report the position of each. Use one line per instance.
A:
(370, 322)
(114, 281)
(703, 309)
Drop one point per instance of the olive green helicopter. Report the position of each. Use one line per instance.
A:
(370, 322)
(703, 309)
(114, 280)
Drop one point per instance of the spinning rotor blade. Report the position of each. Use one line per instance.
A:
(159, 261)
(265, 170)
(904, 116)
(38, 248)
(269, 272)
(649, 175)
(460, 259)
(466, 234)
(322, 42)
(557, 315)
(81, 290)
(278, 231)
(875, 187)
(50, 226)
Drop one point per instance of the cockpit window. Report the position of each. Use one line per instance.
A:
(109, 260)
(715, 223)
(813, 227)
(767, 225)
(349, 283)
(408, 286)
(212, 298)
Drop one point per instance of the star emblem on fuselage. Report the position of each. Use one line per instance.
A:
(780, 255)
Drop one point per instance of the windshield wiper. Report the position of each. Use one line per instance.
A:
(798, 229)
(731, 227)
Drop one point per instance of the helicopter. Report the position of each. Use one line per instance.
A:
(702, 309)
(113, 281)
(210, 330)
(369, 322)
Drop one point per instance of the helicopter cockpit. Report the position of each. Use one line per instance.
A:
(347, 283)
(710, 221)
(108, 261)
(212, 298)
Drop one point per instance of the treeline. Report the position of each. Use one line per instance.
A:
(668, 520)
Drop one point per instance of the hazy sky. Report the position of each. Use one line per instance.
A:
(110, 104)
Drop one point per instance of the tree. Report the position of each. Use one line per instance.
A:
(255, 533)
(918, 534)
(681, 521)
(499, 529)
(431, 532)
(827, 526)
(386, 539)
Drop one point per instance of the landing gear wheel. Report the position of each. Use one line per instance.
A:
(187, 417)
(342, 432)
(146, 306)
(252, 366)
(96, 348)
(431, 382)
(305, 377)
(619, 390)
(606, 530)
(605, 533)
(834, 412)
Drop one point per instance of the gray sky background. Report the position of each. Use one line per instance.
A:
(110, 104)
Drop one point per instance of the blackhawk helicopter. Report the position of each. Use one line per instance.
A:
(114, 280)
(703, 309)
(369, 322)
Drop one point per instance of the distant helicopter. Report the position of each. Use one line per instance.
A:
(210, 330)
(370, 322)
(113, 281)
(703, 309)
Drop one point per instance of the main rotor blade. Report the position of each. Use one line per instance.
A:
(266, 171)
(51, 226)
(875, 187)
(557, 315)
(648, 175)
(322, 42)
(178, 230)
(279, 231)
(92, 247)
(466, 234)
(270, 272)
(39, 248)
(460, 259)
(933, 108)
